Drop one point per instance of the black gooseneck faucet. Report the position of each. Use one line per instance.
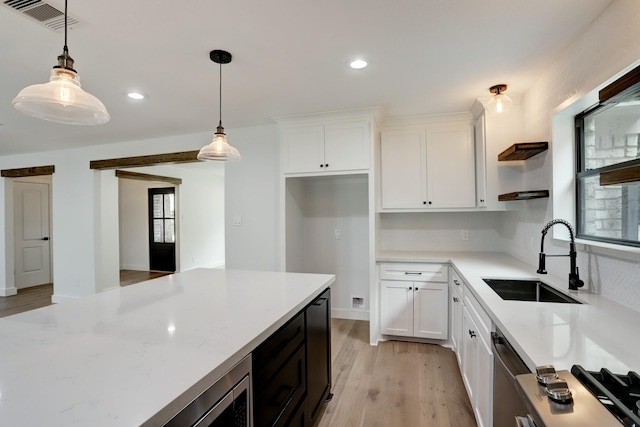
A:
(574, 278)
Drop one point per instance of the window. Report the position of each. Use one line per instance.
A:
(608, 144)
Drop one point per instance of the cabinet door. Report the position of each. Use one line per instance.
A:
(396, 308)
(451, 175)
(469, 356)
(481, 165)
(318, 326)
(430, 310)
(346, 146)
(403, 169)
(303, 149)
(456, 323)
(484, 384)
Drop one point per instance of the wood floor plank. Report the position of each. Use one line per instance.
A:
(40, 296)
(393, 384)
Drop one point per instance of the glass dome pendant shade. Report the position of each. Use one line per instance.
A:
(62, 100)
(219, 149)
(499, 103)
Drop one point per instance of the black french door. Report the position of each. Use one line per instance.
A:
(162, 229)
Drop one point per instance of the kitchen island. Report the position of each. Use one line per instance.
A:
(120, 357)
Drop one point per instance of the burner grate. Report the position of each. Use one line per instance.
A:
(620, 394)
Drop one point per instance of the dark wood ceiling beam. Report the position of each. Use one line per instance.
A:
(147, 177)
(30, 171)
(138, 161)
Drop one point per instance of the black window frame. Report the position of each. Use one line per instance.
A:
(582, 173)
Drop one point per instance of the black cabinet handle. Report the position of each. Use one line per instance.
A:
(429, 201)
(456, 282)
(455, 299)
(321, 165)
(472, 334)
(424, 203)
(326, 165)
(45, 238)
(413, 273)
(281, 396)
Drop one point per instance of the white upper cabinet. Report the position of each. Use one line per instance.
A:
(481, 163)
(427, 168)
(403, 169)
(451, 179)
(326, 148)
(304, 149)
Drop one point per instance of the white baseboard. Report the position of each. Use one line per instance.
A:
(57, 298)
(341, 313)
(136, 267)
(7, 292)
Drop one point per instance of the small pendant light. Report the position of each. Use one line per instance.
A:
(219, 149)
(499, 103)
(62, 100)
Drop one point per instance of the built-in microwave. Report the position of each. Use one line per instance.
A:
(226, 403)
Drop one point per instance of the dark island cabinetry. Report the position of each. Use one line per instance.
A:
(292, 369)
(318, 316)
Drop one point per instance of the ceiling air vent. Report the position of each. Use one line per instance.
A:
(41, 12)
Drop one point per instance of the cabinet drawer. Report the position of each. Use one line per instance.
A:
(268, 358)
(276, 403)
(414, 272)
(457, 283)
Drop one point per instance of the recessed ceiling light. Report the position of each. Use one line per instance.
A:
(136, 95)
(358, 63)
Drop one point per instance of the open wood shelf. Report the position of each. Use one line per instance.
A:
(523, 151)
(523, 195)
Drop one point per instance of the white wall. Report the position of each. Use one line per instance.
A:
(608, 46)
(80, 240)
(316, 208)
(252, 193)
(441, 231)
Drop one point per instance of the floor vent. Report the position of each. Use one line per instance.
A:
(42, 13)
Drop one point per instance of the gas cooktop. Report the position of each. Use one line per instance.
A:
(620, 394)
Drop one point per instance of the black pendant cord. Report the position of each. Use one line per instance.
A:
(220, 88)
(65, 48)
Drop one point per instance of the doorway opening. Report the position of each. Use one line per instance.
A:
(162, 229)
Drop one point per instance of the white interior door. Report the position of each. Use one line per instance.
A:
(31, 225)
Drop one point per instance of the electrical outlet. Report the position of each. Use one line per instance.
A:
(337, 233)
(464, 234)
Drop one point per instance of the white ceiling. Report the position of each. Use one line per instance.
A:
(289, 57)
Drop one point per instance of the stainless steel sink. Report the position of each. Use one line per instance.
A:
(528, 290)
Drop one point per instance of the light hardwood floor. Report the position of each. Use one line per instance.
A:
(40, 296)
(393, 384)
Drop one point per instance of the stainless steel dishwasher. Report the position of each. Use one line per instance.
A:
(507, 402)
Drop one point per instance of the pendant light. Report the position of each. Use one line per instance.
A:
(499, 102)
(219, 149)
(62, 100)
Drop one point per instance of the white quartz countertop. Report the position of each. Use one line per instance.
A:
(119, 357)
(599, 333)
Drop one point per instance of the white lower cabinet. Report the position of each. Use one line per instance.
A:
(455, 312)
(415, 303)
(476, 359)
